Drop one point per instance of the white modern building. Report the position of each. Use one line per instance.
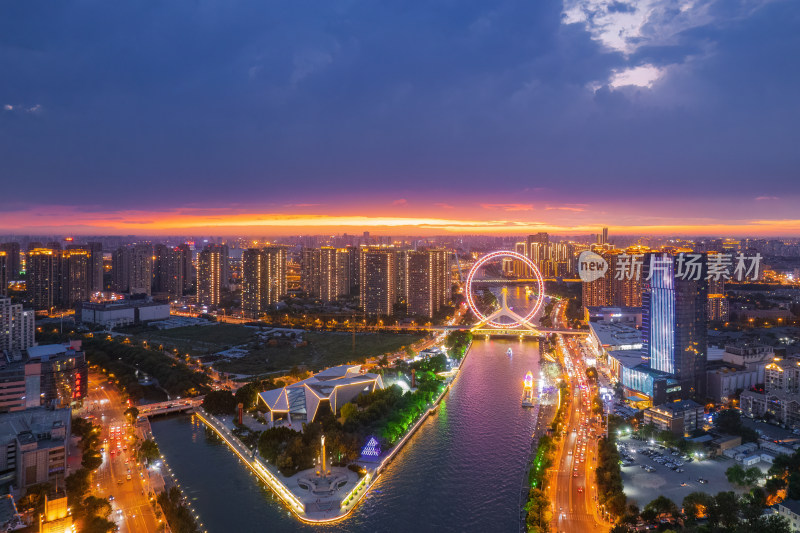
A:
(332, 388)
(122, 312)
(16, 328)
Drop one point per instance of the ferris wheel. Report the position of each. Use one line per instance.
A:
(517, 319)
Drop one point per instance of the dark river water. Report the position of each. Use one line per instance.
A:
(462, 471)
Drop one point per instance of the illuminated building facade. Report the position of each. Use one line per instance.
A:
(679, 418)
(378, 280)
(56, 517)
(326, 391)
(263, 279)
(209, 275)
(327, 272)
(427, 281)
(73, 277)
(718, 306)
(16, 328)
(674, 324)
(62, 371)
(42, 282)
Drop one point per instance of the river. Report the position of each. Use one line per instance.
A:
(462, 471)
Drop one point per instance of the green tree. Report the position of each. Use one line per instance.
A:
(76, 485)
(696, 505)
(348, 410)
(219, 402)
(662, 505)
(726, 509)
(148, 451)
(736, 475)
(752, 475)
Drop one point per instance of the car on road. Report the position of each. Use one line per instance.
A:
(580, 489)
(129, 477)
(701, 480)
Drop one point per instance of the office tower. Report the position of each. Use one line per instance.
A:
(12, 256)
(73, 277)
(427, 281)
(674, 323)
(42, 278)
(95, 266)
(263, 279)
(309, 271)
(16, 328)
(378, 285)
(209, 275)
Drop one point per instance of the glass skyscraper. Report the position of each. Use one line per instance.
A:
(674, 323)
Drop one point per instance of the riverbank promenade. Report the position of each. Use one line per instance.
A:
(308, 503)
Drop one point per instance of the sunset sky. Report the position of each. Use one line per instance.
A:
(271, 118)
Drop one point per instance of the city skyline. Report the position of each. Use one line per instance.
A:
(646, 118)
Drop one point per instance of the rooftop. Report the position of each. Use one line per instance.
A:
(617, 335)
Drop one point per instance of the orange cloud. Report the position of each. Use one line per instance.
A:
(509, 207)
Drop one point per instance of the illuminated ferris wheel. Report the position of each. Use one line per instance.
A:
(517, 319)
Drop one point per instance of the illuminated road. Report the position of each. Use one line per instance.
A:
(573, 490)
(131, 507)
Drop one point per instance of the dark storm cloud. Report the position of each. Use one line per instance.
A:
(170, 103)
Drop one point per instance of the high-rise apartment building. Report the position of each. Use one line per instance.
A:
(170, 267)
(13, 257)
(4, 272)
(210, 272)
(674, 323)
(427, 281)
(377, 273)
(141, 269)
(326, 272)
(263, 279)
(73, 277)
(718, 306)
(42, 278)
(16, 328)
(310, 264)
(132, 269)
(95, 273)
(120, 269)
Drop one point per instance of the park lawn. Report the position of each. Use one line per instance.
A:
(322, 351)
(218, 335)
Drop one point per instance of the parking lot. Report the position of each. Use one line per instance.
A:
(643, 486)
